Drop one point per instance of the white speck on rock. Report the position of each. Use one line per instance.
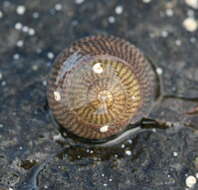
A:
(35, 67)
(1, 14)
(154, 130)
(1, 76)
(128, 152)
(20, 148)
(169, 12)
(58, 7)
(57, 137)
(50, 55)
(35, 15)
(119, 10)
(111, 19)
(3, 83)
(190, 24)
(191, 13)
(25, 29)
(20, 43)
(16, 56)
(193, 40)
(79, 1)
(178, 42)
(191, 181)
(18, 26)
(115, 156)
(192, 3)
(164, 33)
(44, 83)
(146, 1)
(31, 32)
(20, 10)
(159, 71)
(123, 146)
(175, 154)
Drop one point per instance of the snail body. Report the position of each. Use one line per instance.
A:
(99, 85)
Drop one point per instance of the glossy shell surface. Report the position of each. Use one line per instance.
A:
(99, 85)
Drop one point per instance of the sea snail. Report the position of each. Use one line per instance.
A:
(99, 85)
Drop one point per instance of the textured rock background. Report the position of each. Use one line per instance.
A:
(32, 33)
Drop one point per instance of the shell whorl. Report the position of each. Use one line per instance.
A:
(99, 85)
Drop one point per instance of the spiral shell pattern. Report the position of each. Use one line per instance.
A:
(99, 85)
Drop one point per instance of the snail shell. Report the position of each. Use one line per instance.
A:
(99, 85)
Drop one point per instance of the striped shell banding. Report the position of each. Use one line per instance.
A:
(99, 85)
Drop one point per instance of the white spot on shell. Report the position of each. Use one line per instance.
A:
(97, 68)
(133, 97)
(57, 96)
(190, 24)
(104, 129)
(191, 181)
